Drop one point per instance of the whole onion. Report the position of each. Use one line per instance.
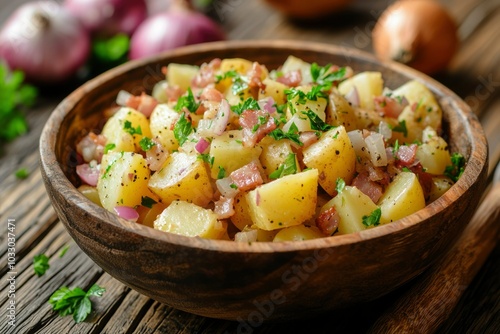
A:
(45, 41)
(109, 17)
(177, 27)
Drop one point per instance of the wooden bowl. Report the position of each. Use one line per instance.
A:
(258, 281)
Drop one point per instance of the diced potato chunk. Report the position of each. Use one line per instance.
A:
(293, 64)
(241, 217)
(90, 192)
(433, 154)
(427, 112)
(125, 129)
(287, 201)
(340, 112)
(298, 233)
(190, 220)
(181, 75)
(230, 154)
(351, 205)
(333, 156)
(162, 121)
(440, 185)
(240, 65)
(274, 154)
(123, 179)
(182, 177)
(402, 197)
(274, 89)
(368, 85)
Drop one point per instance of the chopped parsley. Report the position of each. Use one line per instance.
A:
(207, 158)
(147, 201)
(222, 173)
(63, 251)
(187, 101)
(40, 264)
(340, 185)
(248, 104)
(324, 77)
(288, 167)
(109, 147)
(373, 219)
(456, 169)
(225, 75)
(22, 173)
(76, 302)
(146, 144)
(234, 186)
(127, 126)
(406, 169)
(395, 149)
(401, 127)
(182, 129)
(316, 122)
(292, 134)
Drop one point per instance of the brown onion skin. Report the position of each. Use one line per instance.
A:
(418, 33)
(308, 9)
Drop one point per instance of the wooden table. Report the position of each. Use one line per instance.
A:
(473, 75)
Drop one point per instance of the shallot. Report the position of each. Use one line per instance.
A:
(419, 33)
(177, 27)
(44, 41)
(109, 17)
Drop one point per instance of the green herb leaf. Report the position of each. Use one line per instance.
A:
(127, 126)
(187, 101)
(225, 75)
(288, 167)
(109, 147)
(457, 167)
(182, 129)
(323, 75)
(406, 169)
(75, 302)
(248, 104)
(15, 98)
(22, 173)
(316, 122)
(40, 264)
(63, 251)
(207, 158)
(222, 173)
(292, 134)
(340, 185)
(396, 147)
(146, 144)
(401, 127)
(111, 50)
(373, 219)
(148, 202)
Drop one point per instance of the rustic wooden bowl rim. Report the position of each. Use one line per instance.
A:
(53, 170)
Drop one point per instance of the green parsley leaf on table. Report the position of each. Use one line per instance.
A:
(15, 98)
(22, 173)
(75, 302)
(63, 251)
(40, 264)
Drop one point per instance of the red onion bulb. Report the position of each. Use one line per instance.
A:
(109, 17)
(44, 41)
(172, 29)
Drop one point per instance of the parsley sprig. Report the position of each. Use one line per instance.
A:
(373, 219)
(401, 127)
(76, 302)
(292, 134)
(15, 98)
(248, 104)
(40, 264)
(456, 169)
(288, 167)
(317, 123)
(182, 129)
(187, 101)
(127, 126)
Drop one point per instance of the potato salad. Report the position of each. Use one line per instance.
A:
(232, 150)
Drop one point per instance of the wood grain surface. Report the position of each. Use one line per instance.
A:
(473, 75)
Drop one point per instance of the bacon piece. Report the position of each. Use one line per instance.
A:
(388, 106)
(143, 103)
(206, 75)
(368, 187)
(247, 177)
(224, 207)
(256, 125)
(255, 75)
(328, 221)
(424, 178)
(406, 155)
(291, 79)
(308, 138)
(211, 94)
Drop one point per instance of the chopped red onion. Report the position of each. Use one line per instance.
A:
(376, 147)
(267, 104)
(353, 97)
(226, 187)
(88, 174)
(127, 212)
(202, 145)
